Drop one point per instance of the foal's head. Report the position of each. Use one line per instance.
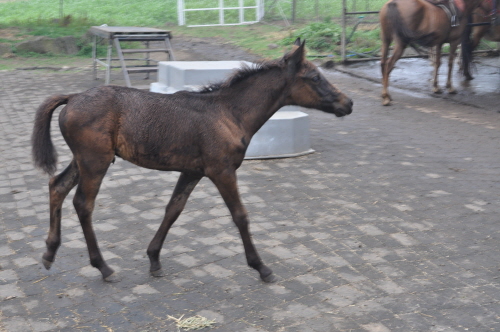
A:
(310, 88)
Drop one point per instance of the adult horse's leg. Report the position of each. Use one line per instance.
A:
(227, 185)
(386, 34)
(389, 66)
(437, 64)
(183, 189)
(92, 171)
(386, 98)
(451, 60)
(59, 187)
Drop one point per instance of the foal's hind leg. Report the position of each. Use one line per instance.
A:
(92, 171)
(59, 187)
(183, 189)
(227, 186)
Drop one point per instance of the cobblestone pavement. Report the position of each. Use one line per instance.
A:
(391, 225)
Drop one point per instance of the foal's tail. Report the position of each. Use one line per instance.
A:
(404, 32)
(44, 154)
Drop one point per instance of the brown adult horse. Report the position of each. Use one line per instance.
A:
(423, 23)
(199, 134)
(486, 15)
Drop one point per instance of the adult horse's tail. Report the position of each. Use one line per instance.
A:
(402, 30)
(43, 152)
(467, 48)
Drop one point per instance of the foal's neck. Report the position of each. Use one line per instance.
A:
(258, 98)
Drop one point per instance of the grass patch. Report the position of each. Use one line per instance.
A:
(111, 12)
(43, 18)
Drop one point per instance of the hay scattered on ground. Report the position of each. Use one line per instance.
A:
(192, 323)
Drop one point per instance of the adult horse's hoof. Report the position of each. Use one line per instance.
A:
(386, 102)
(157, 274)
(46, 263)
(452, 91)
(438, 91)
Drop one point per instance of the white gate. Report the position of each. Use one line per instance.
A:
(237, 12)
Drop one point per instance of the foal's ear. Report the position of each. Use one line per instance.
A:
(295, 57)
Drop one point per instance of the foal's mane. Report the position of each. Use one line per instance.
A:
(242, 74)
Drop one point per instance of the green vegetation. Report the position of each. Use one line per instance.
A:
(159, 12)
(97, 12)
(27, 18)
(321, 37)
(325, 38)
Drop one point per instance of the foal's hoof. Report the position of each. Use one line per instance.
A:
(270, 278)
(438, 91)
(266, 274)
(46, 263)
(109, 275)
(158, 273)
(452, 91)
(112, 278)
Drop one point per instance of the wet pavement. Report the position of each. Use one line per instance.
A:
(391, 225)
(416, 74)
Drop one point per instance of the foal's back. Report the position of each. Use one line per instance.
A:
(151, 130)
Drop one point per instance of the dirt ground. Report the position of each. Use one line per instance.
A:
(197, 49)
(185, 48)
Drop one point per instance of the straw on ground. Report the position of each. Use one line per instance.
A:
(192, 323)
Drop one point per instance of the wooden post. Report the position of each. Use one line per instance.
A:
(316, 10)
(61, 11)
(343, 37)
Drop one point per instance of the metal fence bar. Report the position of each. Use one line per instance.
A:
(259, 13)
(344, 40)
(218, 8)
(360, 13)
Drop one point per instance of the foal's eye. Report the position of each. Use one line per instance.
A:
(315, 79)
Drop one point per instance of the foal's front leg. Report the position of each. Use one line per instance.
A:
(183, 189)
(227, 185)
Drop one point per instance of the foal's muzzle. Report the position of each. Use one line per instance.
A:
(347, 109)
(342, 108)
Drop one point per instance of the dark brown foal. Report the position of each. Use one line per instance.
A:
(198, 134)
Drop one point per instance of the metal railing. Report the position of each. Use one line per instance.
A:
(221, 9)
